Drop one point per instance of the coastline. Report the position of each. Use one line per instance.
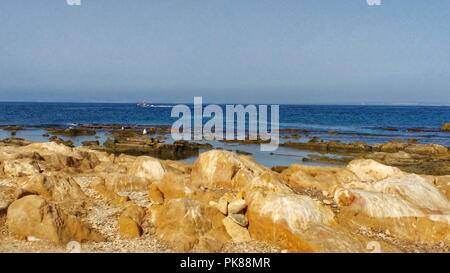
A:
(324, 148)
(126, 203)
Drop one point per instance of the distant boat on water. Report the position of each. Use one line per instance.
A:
(144, 104)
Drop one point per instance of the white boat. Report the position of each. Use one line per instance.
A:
(144, 104)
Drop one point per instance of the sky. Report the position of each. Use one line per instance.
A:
(228, 51)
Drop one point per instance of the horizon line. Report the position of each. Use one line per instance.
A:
(234, 103)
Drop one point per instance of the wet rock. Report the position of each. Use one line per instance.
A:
(72, 132)
(89, 143)
(422, 149)
(151, 146)
(12, 128)
(68, 143)
(15, 141)
(341, 160)
(332, 146)
(420, 130)
(279, 169)
(34, 216)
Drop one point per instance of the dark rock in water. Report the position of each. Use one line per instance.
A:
(245, 141)
(58, 140)
(15, 141)
(389, 129)
(46, 135)
(332, 146)
(421, 149)
(90, 143)
(243, 152)
(418, 130)
(279, 169)
(144, 145)
(194, 144)
(73, 132)
(327, 160)
(446, 127)
(12, 128)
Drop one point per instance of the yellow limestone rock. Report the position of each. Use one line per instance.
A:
(238, 233)
(57, 187)
(130, 221)
(147, 167)
(33, 216)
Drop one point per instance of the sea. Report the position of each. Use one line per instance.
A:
(346, 123)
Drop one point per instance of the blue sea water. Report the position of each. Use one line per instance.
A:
(348, 123)
(318, 118)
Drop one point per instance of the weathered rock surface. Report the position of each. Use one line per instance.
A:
(32, 216)
(148, 168)
(223, 199)
(182, 223)
(130, 221)
(408, 205)
(56, 187)
(238, 233)
(21, 167)
(8, 195)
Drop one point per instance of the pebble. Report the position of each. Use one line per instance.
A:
(236, 206)
(239, 219)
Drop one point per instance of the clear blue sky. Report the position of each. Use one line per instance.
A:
(299, 51)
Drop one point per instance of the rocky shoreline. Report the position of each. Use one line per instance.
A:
(52, 194)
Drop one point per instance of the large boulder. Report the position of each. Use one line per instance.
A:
(56, 187)
(184, 223)
(368, 170)
(317, 178)
(147, 167)
(33, 216)
(299, 224)
(130, 221)
(410, 206)
(216, 169)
